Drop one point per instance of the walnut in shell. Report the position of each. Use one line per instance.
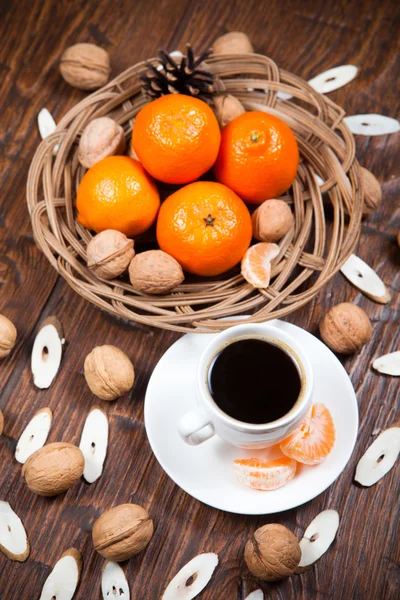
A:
(122, 532)
(234, 42)
(272, 553)
(155, 272)
(227, 108)
(85, 66)
(109, 373)
(53, 469)
(372, 191)
(272, 220)
(8, 335)
(109, 253)
(101, 138)
(345, 328)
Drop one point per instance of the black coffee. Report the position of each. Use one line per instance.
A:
(254, 381)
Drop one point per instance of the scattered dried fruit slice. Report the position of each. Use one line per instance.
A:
(372, 124)
(318, 536)
(93, 443)
(365, 279)
(313, 439)
(379, 458)
(389, 364)
(265, 475)
(333, 79)
(256, 595)
(47, 352)
(34, 435)
(192, 578)
(13, 539)
(256, 264)
(114, 583)
(64, 578)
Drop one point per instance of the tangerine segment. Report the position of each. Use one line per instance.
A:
(176, 138)
(258, 156)
(117, 193)
(256, 264)
(205, 226)
(265, 475)
(313, 439)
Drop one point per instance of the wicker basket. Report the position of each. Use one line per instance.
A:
(309, 255)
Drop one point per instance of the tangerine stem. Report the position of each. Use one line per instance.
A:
(209, 220)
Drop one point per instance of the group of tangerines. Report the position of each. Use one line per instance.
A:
(205, 225)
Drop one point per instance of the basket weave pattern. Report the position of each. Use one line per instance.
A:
(310, 254)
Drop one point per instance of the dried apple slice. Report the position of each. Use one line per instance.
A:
(333, 79)
(388, 364)
(34, 435)
(318, 536)
(114, 583)
(379, 458)
(13, 539)
(93, 443)
(192, 578)
(365, 279)
(372, 124)
(256, 595)
(47, 352)
(64, 578)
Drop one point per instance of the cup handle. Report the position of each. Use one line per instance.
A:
(195, 428)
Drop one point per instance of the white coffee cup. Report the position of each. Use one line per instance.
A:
(208, 420)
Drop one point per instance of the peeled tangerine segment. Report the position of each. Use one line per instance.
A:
(372, 124)
(379, 458)
(265, 475)
(47, 353)
(388, 364)
(199, 571)
(34, 435)
(318, 536)
(313, 439)
(256, 595)
(256, 264)
(333, 79)
(114, 583)
(93, 443)
(365, 279)
(13, 539)
(64, 578)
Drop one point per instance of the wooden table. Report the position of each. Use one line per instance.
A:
(305, 38)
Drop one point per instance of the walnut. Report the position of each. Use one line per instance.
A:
(227, 108)
(272, 220)
(53, 469)
(109, 373)
(101, 138)
(8, 335)
(109, 253)
(272, 553)
(155, 272)
(85, 66)
(345, 328)
(122, 532)
(372, 191)
(234, 42)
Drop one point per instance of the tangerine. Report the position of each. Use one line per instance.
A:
(258, 156)
(205, 226)
(176, 138)
(117, 193)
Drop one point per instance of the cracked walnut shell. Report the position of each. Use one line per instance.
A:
(272, 553)
(122, 532)
(345, 328)
(109, 373)
(53, 469)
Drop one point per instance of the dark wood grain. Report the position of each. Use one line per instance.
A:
(305, 38)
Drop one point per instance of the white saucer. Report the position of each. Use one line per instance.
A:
(205, 472)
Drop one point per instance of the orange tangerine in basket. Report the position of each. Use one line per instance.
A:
(117, 193)
(258, 156)
(176, 138)
(265, 475)
(313, 439)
